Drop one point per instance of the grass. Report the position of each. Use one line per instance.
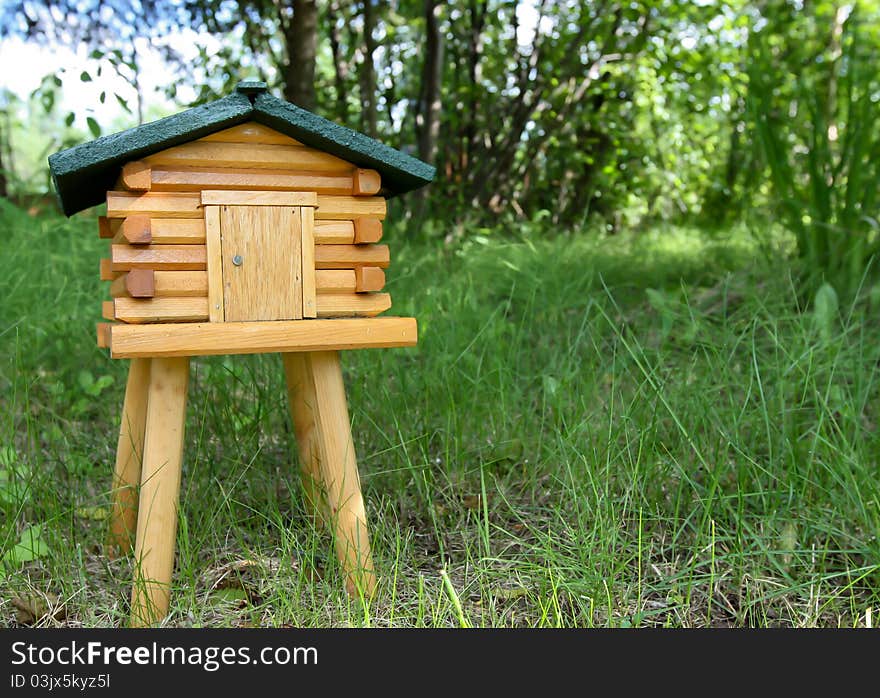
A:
(642, 430)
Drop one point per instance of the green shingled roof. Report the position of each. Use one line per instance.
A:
(83, 174)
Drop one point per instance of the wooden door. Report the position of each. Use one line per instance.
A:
(263, 261)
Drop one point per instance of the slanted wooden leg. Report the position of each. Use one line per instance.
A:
(129, 451)
(302, 413)
(320, 414)
(160, 488)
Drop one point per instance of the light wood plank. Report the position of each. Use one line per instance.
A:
(106, 270)
(160, 490)
(138, 283)
(333, 207)
(349, 256)
(107, 311)
(197, 179)
(334, 232)
(309, 283)
(264, 285)
(367, 230)
(135, 310)
(166, 231)
(214, 248)
(121, 204)
(136, 230)
(129, 452)
(222, 197)
(335, 281)
(295, 242)
(159, 257)
(163, 284)
(104, 230)
(206, 339)
(369, 279)
(103, 332)
(352, 305)
(248, 155)
(251, 132)
(181, 284)
(366, 182)
(136, 176)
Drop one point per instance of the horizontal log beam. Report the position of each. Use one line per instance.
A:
(368, 279)
(248, 155)
(121, 204)
(106, 271)
(159, 257)
(211, 338)
(350, 207)
(133, 310)
(153, 310)
(103, 334)
(104, 229)
(335, 281)
(135, 230)
(136, 176)
(197, 179)
(223, 197)
(367, 230)
(138, 283)
(163, 231)
(189, 205)
(352, 304)
(334, 232)
(350, 256)
(366, 182)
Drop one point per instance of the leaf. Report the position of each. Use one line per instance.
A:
(93, 513)
(69, 119)
(123, 103)
(85, 77)
(47, 99)
(93, 126)
(84, 379)
(825, 307)
(102, 97)
(236, 596)
(30, 547)
(8, 456)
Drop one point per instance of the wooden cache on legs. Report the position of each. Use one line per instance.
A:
(250, 226)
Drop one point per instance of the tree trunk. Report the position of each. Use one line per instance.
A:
(428, 119)
(475, 73)
(302, 46)
(340, 64)
(368, 73)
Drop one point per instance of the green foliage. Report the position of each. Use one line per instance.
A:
(813, 97)
(639, 429)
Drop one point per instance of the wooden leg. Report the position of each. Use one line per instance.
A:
(160, 487)
(129, 451)
(302, 413)
(320, 414)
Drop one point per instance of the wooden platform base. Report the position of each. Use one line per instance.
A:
(146, 482)
(208, 338)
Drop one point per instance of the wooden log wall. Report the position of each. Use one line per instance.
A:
(155, 223)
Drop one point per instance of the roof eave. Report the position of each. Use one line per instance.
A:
(74, 170)
(400, 172)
